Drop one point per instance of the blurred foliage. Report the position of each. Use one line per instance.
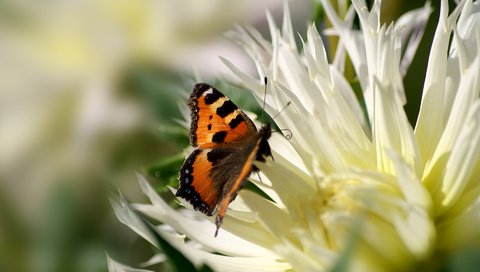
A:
(467, 260)
(166, 169)
(161, 92)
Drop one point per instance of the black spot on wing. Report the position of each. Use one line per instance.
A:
(227, 108)
(200, 88)
(213, 97)
(209, 126)
(236, 121)
(219, 137)
(215, 156)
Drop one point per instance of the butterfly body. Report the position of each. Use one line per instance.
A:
(227, 143)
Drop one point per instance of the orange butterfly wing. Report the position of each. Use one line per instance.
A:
(196, 185)
(216, 119)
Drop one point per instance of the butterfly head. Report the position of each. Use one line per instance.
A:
(264, 150)
(266, 131)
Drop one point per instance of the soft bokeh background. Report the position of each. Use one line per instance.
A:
(89, 95)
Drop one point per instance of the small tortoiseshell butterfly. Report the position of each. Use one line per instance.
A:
(227, 142)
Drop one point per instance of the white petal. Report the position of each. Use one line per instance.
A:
(287, 29)
(289, 182)
(409, 183)
(155, 259)
(450, 142)
(276, 220)
(467, 34)
(199, 230)
(128, 217)
(315, 55)
(415, 227)
(345, 89)
(114, 266)
(467, 93)
(463, 159)
(226, 263)
(392, 131)
(299, 260)
(417, 231)
(430, 121)
(412, 25)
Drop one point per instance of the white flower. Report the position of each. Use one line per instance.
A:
(388, 195)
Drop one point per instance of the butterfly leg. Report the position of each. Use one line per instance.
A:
(221, 213)
(259, 177)
(218, 222)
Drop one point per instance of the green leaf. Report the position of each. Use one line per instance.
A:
(252, 187)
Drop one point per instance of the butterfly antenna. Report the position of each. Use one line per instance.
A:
(288, 133)
(264, 97)
(284, 107)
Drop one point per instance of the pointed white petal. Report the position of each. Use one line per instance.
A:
(430, 121)
(464, 158)
(450, 142)
(412, 25)
(203, 230)
(155, 259)
(128, 217)
(289, 182)
(315, 55)
(287, 29)
(114, 266)
(276, 220)
(409, 183)
(352, 101)
(415, 226)
(392, 131)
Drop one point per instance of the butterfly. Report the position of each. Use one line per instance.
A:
(226, 144)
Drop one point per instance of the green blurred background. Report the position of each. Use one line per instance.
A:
(90, 94)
